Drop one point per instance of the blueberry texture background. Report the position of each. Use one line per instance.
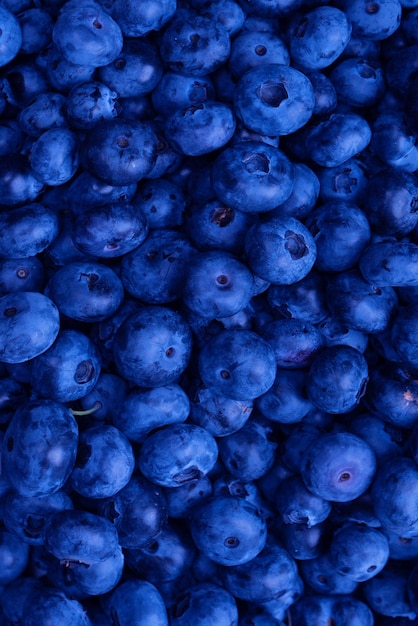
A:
(208, 312)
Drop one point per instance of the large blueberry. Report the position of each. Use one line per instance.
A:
(39, 447)
(338, 467)
(238, 364)
(274, 99)
(152, 347)
(29, 325)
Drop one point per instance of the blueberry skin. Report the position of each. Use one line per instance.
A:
(218, 415)
(281, 251)
(359, 304)
(303, 542)
(176, 91)
(286, 401)
(247, 454)
(144, 410)
(136, 71)
(344, 182)
(303, 300)
(47, 604)
(217, 285)
(109, 231)
(36, 26)
(214, 225)
(295, 342)
(11, 137)
(394, 141)
(195, 46)
(377, 21)
(304, 194)
(390, 264)
(12, 395)
(106, 397)
(252, 177)
(63, 75)
(341, 231)
(359, 552)
(39, 448)
(88, 192)
(80, 536)
(138, 20)
(182, 499)
(104, 464)
(254, 48)
(337, 379)
(321, 576)
(13, 557)
(152, 347)
(319, 37)
(297, 505)
(25, 516)
(404, 334)
(45, 111)
(87, 35)
(228, 12)
(18, 183)
(54, 156)
(138, 512)
(96, 291)
(384, 438)
(203, 603)
(29, 325)
(274, 99)
(137, 603)
(358, 82)
(388, 593)
(391, 202)
(237, 364)
(228, 530)
(167, 558)
(336, 140)
(176, 454)
(200, 128)
(271, 573)
(163, 202)
(120, 151)
(338, 467)
(324, 93)
(26, 231)
(98, 578)
(10, 38)
(91, 102)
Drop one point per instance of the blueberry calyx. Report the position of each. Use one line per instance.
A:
(256, 162)
(231, 542)
(272, 93)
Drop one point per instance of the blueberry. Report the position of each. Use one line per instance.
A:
(152, 347)
(120, 151)
(217, 414)
(39, 448)
(200, 128)
(390, 263)
(274, 99)
(338, 467)
(29, 325)
(238, 364)
(337, 379)
(79, 536)
(11, 36)
(36, 25)
(281, 251)
(137, 526)
(297, 505)
(203, 603)
(27, 230)
(228, 530)
(14, 555)
(52, 605)
(136, 602)
(359, 552)
(96, 290)
(176, 92)
(109, 231)
(195, 46)
(90, 102)
(252, 177)
(374, 19)
(358, 82)
(177, 454)
(86, 35)
(319, 37)
(253, 48)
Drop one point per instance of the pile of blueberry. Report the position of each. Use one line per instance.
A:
(209, 312)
